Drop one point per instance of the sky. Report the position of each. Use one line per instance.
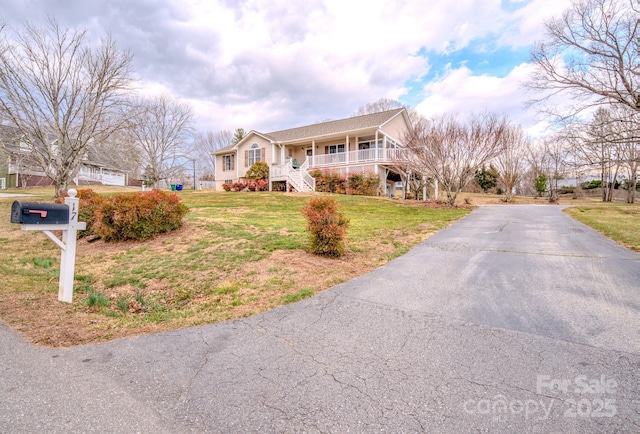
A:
(267, 65)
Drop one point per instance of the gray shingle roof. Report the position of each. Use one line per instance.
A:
(340, 126)
(334, 127)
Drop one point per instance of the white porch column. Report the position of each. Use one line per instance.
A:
(313, 153)
(376, 146)
(282, 154)
(346, 146)
(273, 153)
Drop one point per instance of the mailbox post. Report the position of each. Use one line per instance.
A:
(47, 218)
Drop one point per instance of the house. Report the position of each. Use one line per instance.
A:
(20, 169)
(367, 144)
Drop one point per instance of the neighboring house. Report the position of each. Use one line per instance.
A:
(20, 169)
(97, 170)
(368, 144)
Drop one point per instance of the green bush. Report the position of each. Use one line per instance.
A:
(355, 184)
(565, 189)
(590, 185)
(327, 227)
(139, 216)
(89, 203)
(487, 178)
(363, 185)
(540, 184)
(259, 170)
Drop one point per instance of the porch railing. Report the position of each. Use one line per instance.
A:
(383, 155)
(299, 178)
(306, 177)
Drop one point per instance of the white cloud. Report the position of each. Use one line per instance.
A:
(270, 64)
(526, 24)
(459, 91)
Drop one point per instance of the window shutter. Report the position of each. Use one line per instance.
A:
(246, 158)
(326, 149)
(263, 155)
(232, 157)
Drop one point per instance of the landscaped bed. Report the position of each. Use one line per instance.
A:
(238, 254)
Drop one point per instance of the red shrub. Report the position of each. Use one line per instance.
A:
(139, 216)
(329, 182)
(327, 227)
(89, 203)
(259, 185)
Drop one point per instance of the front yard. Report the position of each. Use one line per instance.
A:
(237, 255)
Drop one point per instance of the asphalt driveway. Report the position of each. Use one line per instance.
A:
(515, 319)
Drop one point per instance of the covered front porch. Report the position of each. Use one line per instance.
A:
(345, 154)
(337, 150)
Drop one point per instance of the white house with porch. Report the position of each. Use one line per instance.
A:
(367, 144)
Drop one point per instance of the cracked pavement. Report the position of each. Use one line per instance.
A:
(514, 319)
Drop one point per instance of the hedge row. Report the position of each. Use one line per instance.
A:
(129, 216)
(259, 185)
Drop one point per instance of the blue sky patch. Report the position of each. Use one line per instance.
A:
(481, 57)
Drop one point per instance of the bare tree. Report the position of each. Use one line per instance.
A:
(120, 151)
(58, 90)
(554, 158)
(608, 145)
(451, 151)
(386, 104)
(535, 159)
(381, 105)
(599, 150)
(590, 55)
(510, 162)
(161, 128)
(405, 168)
(206, 144)
(630, 146)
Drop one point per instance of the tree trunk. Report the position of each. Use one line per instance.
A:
(61, 187)
(631, 193)
(451, 199)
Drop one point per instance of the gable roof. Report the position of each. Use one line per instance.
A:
(340, 126)
(246, 136)
(335, 127)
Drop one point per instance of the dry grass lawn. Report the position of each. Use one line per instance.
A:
(238, 254)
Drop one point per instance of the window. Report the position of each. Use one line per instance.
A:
(336, 149)
(228, 181)
(227, 161)
(254, 155)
